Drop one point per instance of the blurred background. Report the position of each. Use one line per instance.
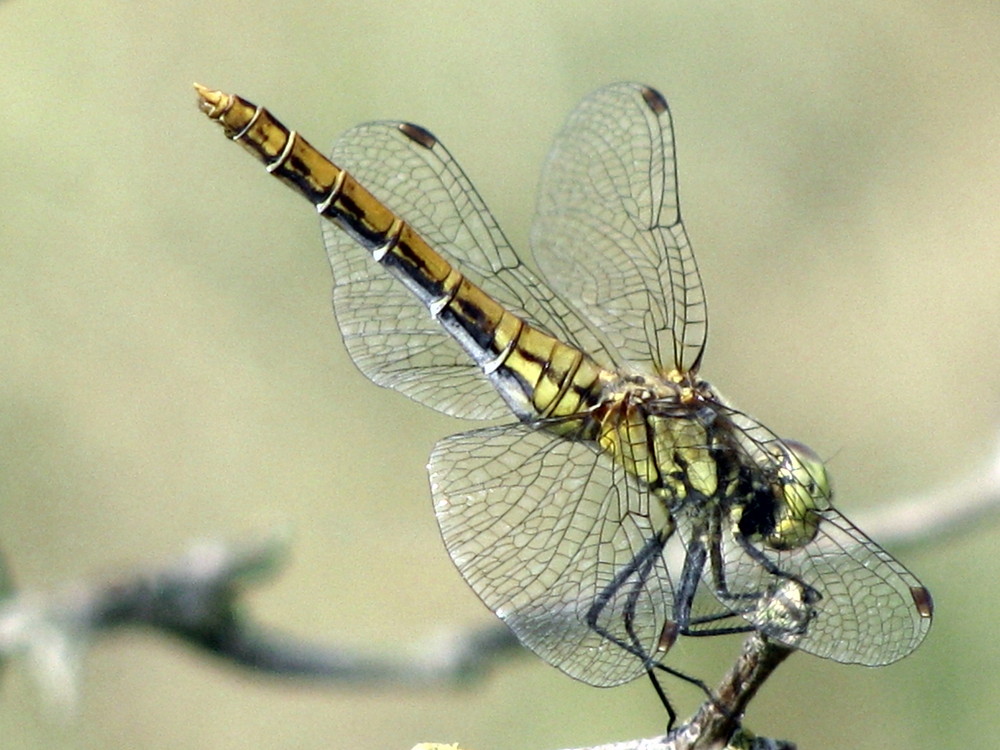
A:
(173, 370)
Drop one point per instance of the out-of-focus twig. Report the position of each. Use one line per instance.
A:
(198, 599)
(940, 513)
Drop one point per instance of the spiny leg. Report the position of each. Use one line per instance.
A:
(691, 575)
(639, 567)
(671, 714)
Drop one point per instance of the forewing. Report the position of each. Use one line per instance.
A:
(608, 232)
(544, 529)
(388, 332)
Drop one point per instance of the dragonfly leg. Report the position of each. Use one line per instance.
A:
(782, 611)
(768, 564)
(634, 575)
(694, 565)
(638, 570)
(638, 567)
(671, 714)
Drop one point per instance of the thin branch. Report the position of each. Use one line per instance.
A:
(943, 512)
(716, 725)
(199, 600)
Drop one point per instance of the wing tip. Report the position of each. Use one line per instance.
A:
(654, 100)
(417, 134)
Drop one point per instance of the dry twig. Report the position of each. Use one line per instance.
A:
(198, 599)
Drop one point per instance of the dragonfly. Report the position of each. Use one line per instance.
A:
(628, 503)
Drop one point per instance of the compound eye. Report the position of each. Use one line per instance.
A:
(801, 489)
(802, 466)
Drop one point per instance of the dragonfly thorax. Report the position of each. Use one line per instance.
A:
(661, 432)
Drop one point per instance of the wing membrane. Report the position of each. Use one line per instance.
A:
(387, 331)
(608, 233)
(545, 530)
(866, 612)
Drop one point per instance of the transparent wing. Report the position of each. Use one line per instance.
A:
(608, 233)
(870, 609)
(563, 547)
(388, 332)
(867, 614)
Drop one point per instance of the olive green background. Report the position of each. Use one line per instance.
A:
(171, 369)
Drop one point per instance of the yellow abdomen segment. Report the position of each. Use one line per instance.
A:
(535, 373)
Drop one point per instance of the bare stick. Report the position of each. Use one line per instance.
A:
(198, 599)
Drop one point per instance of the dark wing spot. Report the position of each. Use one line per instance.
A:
(922, 598)
(654, 99)
(417, 134)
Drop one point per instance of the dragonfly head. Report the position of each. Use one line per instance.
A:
(784, 511)
(801, 489)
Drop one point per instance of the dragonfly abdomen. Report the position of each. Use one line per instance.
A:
(536, 374)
